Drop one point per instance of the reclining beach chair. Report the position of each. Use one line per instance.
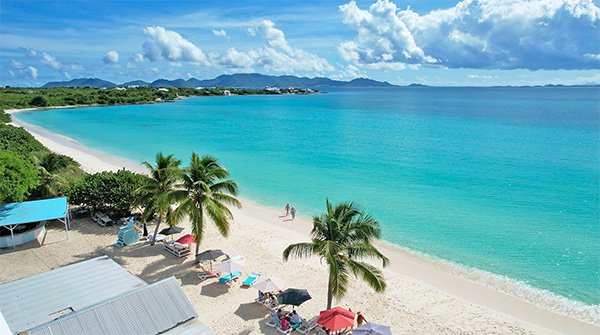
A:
(251, 279)
(228, 278)
(207, 274)
(306, 326)
(177, 249)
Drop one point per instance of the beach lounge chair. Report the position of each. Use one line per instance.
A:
(287, 330)
(273, 321)
(102, 220)
(177, 249)
(228, 278)
(306, 326)
(251, 279)
(207, 274)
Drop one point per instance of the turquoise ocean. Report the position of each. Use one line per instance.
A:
(505, 180)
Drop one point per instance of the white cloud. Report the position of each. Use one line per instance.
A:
(276, 56)
(220, 33)
(32, 72)
(50, 61)
(491, 34)
(18, 69)
(111, 57)
(136, 58)
(29, 53)
(163, 44)
(351, 72)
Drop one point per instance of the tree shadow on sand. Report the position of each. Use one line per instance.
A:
(251, 311)
(214, 290)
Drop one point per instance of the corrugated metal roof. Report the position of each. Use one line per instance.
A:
(33, 211)
(192, 327)
(29, 302)
(149, 310)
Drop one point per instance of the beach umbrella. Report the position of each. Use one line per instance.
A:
(336, 318)
(270, 284)
(186, 239)
(171, 230)
(231, 265)
(293, 296)
(370, 328)
(209, 255)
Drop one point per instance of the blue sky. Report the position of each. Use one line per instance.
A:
(470, 42)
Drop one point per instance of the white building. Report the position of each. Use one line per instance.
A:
(97, 297)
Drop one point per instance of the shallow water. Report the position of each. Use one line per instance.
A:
(502, 179)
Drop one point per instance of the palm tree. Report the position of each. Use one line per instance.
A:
(158, 195)
(206, 193)
(342, 237)
(49, 165)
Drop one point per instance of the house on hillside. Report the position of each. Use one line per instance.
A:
(162, 89)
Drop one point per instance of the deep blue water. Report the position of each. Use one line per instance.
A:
(502, 179)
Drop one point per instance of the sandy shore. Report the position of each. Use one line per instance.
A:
(423, 296)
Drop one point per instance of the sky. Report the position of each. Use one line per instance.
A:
(432, 42)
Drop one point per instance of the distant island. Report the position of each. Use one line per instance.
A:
(239, 80)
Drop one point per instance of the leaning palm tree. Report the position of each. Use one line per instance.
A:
(50, 166)
(158, 194)
(342, 237)
(206, 192)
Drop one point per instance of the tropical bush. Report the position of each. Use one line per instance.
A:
(108, 192)
(19, 141)
(18, 177)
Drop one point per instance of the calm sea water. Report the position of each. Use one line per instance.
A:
(501, 179)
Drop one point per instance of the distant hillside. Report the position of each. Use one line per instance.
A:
(81, 82)
(135, 83)
(240, 80)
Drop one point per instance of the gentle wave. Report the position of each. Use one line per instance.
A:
(539, 297)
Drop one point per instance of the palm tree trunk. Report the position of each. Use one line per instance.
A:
(156, 230)
(329, 291)
(197, 251)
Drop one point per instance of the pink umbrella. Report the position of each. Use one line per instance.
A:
(186, 239)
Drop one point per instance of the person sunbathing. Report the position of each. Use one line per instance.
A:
(276, 320)
(295, 319)
(285, 323)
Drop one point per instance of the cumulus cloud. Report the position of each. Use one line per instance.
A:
(349, 73)
(111, 57)
(277, 55)
(18, 69)
(163, 44)
(29, 53)
(491, 34)
(32, 72)
(50, 61)
(220, 33)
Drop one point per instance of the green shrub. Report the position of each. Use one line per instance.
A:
(18, 140)
(39, 101)
(17, 177)
(108, 192)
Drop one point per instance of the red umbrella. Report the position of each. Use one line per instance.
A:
(336, 318)
(186, 239)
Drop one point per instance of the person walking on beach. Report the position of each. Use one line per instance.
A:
(293, 212)
(287, 209)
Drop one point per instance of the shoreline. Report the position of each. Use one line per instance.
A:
(457, 281)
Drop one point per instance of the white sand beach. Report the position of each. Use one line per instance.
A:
(423, 296)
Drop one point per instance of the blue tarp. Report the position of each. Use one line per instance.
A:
(33, 211)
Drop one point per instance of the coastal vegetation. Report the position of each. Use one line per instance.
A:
(17, 177)
(29, 170)
(17, 98)
(342, 236)
(108, 192)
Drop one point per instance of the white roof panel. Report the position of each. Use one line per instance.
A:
(34, 300)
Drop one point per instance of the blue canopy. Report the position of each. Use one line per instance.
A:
(33, 211)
